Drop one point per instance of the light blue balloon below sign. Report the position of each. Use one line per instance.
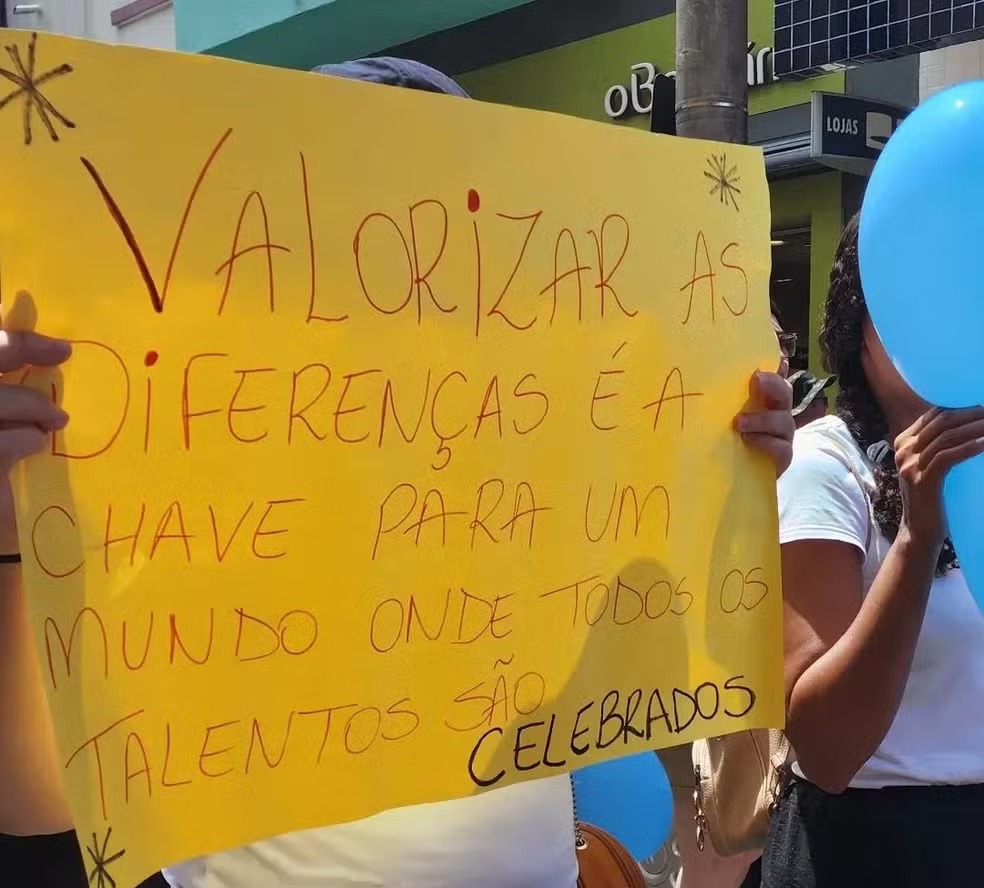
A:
(921, 247)
(630, 798)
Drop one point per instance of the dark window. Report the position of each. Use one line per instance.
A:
(858, 45)
(859, 20)
(878, 39)
(783, 61)
(919, 29)
(898, 33)
(940, 24)
(838, 49)
(789, 289)
(963, 19)
(801, 58)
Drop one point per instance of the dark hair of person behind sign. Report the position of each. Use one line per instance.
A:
(842, 347)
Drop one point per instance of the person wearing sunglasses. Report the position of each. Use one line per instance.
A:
(787, 346)
(810, 401)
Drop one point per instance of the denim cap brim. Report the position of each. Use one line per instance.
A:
(395, 72)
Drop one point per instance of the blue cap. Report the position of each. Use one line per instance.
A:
(395, 72)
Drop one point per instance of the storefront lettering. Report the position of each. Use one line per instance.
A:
(848, 126)
(637, 98)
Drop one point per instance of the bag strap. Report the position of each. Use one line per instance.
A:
(579, 843)
(849, 463)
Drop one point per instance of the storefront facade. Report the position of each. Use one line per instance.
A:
(598, 61)
(592, 76)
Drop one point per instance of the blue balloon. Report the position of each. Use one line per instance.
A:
(920, 247)
(630, 798)
(920, 251)
(963, 493)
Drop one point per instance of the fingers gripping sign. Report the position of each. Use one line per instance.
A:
(770, 428)
(27, 417)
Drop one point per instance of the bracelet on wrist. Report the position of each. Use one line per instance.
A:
(10, 558)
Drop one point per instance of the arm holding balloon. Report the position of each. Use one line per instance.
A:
(848, 655)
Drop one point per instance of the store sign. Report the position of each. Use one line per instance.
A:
(637, 98)
(849, 133)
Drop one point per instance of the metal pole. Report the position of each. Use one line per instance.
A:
(712, 69)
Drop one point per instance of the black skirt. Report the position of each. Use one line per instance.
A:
(49, 862)
(900, 837)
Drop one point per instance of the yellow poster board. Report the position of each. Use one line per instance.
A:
(401, 464)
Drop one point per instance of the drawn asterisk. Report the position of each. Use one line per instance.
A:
(29, 86)
(724, 178)
(100, 872)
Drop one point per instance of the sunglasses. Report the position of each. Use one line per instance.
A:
(787, 344)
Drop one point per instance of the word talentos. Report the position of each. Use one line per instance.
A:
(140, 755)
(556, 743)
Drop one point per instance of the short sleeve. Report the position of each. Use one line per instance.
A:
(821, 499)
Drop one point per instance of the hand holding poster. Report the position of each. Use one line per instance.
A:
(401, 463)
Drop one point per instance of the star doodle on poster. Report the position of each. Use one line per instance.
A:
(99, 876)
(29, 84)
(725, 179)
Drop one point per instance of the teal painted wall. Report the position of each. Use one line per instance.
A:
(304, 33)
(203, 24)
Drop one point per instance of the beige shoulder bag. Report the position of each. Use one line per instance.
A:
(738, 779)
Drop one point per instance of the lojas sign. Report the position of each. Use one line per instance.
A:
(637, 98)
(848, 133)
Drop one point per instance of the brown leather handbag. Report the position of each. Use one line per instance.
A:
(603, 861)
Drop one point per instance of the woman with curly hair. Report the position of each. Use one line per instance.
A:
(884, 646)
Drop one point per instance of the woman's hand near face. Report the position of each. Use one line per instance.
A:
(770, 429)
(924, 453)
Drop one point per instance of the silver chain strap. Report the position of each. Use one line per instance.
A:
(579, 843)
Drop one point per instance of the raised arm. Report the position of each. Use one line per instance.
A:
(848, 655)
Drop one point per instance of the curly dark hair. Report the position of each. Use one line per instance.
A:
(842, 345)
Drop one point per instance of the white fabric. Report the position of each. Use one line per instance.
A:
(938, 733)
(517, 837)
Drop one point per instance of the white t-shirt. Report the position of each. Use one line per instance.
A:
(517, 837)
(938, 734)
